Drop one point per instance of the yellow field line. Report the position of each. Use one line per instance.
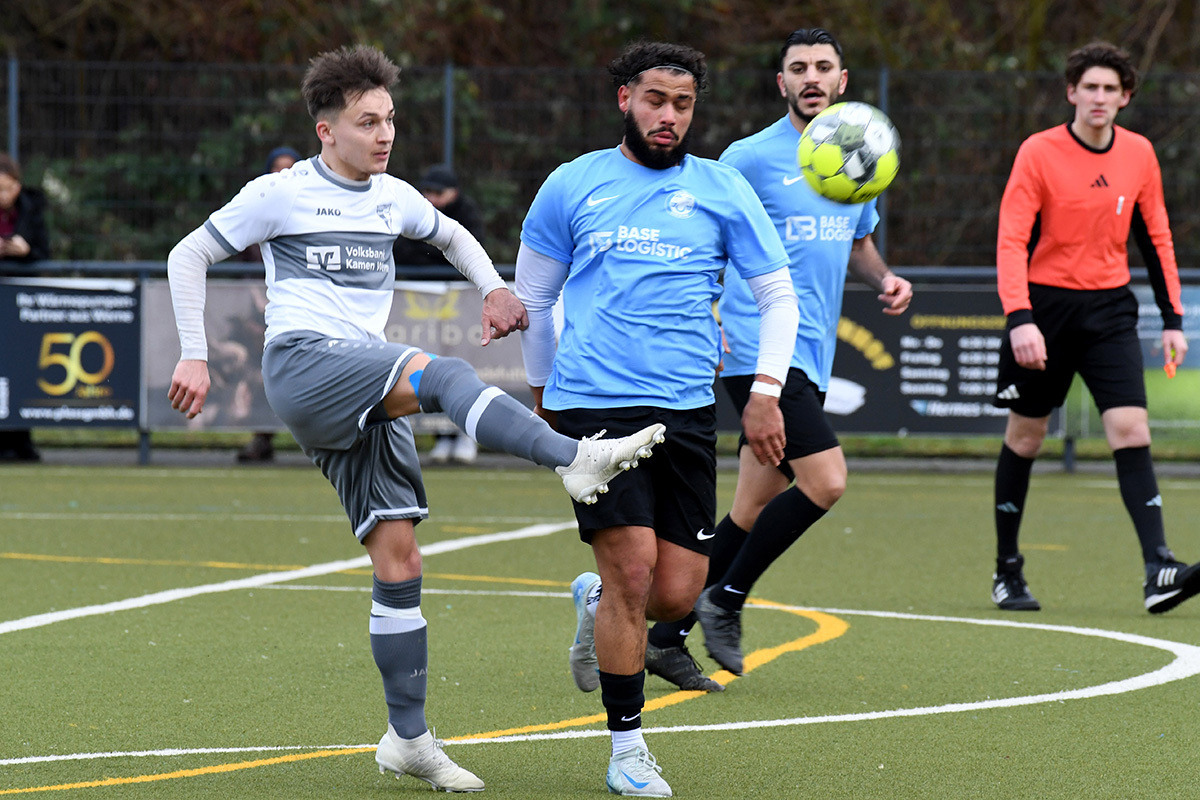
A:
(189, 773)
(150, 562)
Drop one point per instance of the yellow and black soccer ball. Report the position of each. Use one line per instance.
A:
(850, 152)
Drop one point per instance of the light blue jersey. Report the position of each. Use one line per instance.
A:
(817, 233)
(645, 249)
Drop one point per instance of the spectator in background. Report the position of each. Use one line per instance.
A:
(261, 448)
(439, 184)
(23, 240)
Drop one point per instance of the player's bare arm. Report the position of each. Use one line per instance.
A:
(868, 266)
(1029, 346)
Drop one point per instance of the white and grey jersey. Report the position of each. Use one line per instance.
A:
(326, 245)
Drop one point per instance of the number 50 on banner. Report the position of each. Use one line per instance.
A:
(66, 350)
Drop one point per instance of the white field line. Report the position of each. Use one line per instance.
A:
(266, 579)
(1185, 665)
(233, 516)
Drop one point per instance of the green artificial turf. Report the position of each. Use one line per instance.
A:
(898, 574)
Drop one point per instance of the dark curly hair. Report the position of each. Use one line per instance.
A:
(1102, 54)
(337, 77)
(638, 57)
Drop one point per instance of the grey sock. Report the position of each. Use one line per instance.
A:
(401, 649)
(489, 416)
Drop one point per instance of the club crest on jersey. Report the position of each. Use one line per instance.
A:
(384, 212)
(326, 258)
(681, 205)
(600, 241)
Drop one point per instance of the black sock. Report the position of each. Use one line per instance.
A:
(1012, 486)
(726, 545)
(1139, 490)
(623, 698)
(781, 522)
(727, 540)
(671, 634)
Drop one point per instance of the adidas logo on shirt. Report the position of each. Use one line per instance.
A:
(1009, 393)
(1100, 183)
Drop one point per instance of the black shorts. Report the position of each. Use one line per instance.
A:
(804, 422)
(1089, 332)
(674, 492)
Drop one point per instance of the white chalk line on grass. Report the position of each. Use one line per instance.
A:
(266, 579)
(179, 751)
(232, 516)
(1185, 665)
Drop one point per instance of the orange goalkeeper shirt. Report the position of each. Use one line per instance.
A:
(1066, 217)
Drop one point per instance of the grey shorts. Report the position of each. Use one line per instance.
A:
(329, 392)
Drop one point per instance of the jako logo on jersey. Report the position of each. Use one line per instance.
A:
(329, 212)
(327, 258)
(681, 205)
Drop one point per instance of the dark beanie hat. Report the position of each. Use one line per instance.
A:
(281, 151)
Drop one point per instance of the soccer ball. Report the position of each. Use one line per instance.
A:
(850, 152)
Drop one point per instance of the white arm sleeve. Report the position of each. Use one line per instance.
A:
(779, 318)
(187, 267)
(466, 254)
(540, 279)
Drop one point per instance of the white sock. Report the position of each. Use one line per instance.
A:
(627, 740)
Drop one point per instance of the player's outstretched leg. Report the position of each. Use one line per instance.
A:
(1169, 582)
(500, 422)
(423, 758)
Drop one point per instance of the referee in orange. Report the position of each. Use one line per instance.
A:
(1074, 194)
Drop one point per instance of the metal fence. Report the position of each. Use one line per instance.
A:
(134, 156)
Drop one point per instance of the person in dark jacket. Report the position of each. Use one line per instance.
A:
(23, 240)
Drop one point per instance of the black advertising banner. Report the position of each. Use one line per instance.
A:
(71, 354)
(931, 370)
(439, 317)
